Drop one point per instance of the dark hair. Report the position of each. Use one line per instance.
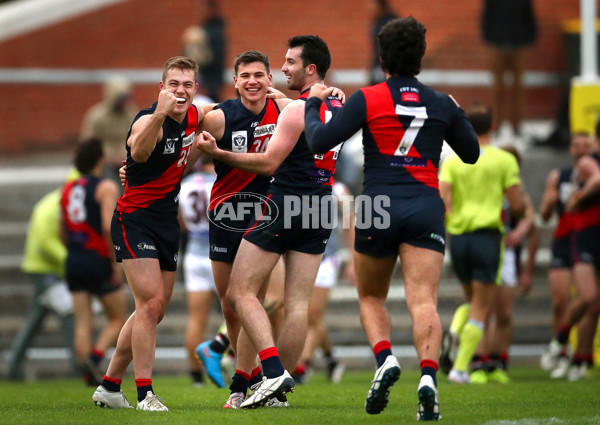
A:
(314, 51)
(513, 149)
(87, 155)
(180, 62)
(480, 117)
(598, 128)
(251, 56)
(402, 46)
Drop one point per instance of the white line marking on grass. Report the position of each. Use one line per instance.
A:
(543, 421)
(527, 421)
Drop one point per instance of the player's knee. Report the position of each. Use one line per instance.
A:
(588, 297)
(228, 310)
(503, 319)
(154, 309)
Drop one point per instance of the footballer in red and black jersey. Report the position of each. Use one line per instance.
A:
(404, 123)
(82, 217)
(88, 266)
(244, 132)
(562, 239)
(154, 185)
(587, 228)
(303, 172)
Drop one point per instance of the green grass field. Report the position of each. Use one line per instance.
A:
(531, 398)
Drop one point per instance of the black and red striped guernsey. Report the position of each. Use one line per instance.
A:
(154, 185)
(245, 132)
(588, 212)
(304, 172)
(403, 126)
(565, 187)
(81, 213)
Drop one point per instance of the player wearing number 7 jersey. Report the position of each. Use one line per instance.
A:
(145, 230)
(404, 124)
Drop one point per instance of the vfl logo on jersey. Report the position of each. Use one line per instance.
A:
(239, 141)
(169, 146)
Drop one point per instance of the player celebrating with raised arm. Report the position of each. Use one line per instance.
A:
(296, 172)
(404, 124)
(145, 230)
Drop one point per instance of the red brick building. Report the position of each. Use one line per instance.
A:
(38, 110)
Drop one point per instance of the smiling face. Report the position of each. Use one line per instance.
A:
(252, 81)
(182, 83)
(294, 70)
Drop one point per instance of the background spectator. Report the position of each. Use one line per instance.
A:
(508, 26)
(109, 121)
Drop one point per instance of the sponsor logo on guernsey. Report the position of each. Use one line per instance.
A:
(117, 247)
(410, 97)
(239, 141)
(405, 161)
(438, 238)
(143, 246)
(221, 249)
(169, 146)
(189, 139)
(264, 130)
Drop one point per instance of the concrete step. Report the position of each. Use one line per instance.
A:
(531, 318)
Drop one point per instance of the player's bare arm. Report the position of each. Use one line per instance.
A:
(446, 194)
(588, 170)
(214, 123)
(550, 196)
(516, 201)
(290, 126)
(146, 132)
(106, 195)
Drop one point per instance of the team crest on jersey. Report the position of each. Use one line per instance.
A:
(239, 141)
(169, 146)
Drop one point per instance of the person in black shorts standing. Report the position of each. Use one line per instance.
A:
(87, 205)
(297, 174)
(404, 124)
(145, 230)
(243, 125)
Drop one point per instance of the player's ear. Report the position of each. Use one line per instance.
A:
(270, 80)
(311, 69)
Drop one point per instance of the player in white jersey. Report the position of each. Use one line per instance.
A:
(199, 284)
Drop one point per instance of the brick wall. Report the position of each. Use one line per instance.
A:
(143, 33)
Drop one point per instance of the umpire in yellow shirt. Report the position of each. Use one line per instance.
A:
(473, 196)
